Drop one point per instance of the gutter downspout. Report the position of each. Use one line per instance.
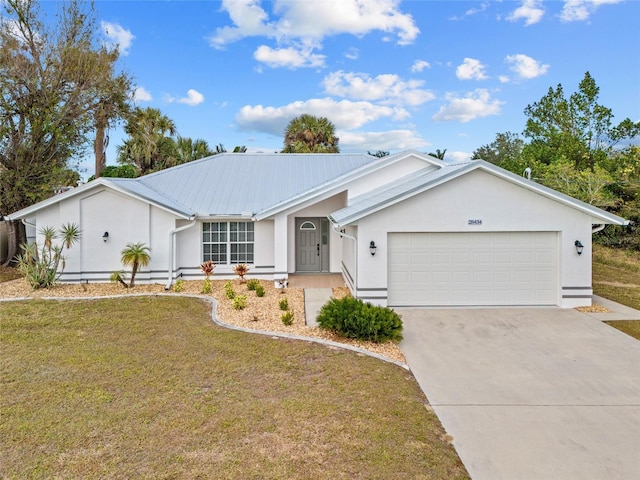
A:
(597, 228)
(355, 258)
(172, 241)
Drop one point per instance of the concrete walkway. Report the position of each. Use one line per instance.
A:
(314, 299)
(531, 393)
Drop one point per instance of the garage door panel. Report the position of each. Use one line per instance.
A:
(489, 268)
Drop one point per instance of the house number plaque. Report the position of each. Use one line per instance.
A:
(474, 221)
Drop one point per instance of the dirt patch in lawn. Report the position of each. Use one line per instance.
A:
(261, 313)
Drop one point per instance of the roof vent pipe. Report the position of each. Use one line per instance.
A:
(527, 173)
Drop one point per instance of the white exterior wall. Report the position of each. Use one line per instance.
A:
(501, 205)
(126, 219)
(189, 251)
(385, 175)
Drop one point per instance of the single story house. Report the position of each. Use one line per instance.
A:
(404, 230)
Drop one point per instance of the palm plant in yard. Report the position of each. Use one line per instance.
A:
(43, 265)
(134, 254)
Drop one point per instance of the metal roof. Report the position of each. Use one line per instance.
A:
(393, 192)
(428, 178)
(241, 184)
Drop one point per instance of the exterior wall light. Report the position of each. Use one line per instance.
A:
(579, 247)
(105, 237)
(372, 248)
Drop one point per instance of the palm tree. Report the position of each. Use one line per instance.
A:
(149, 146)
(439, 153)
(309, 134)
(136, 255)
(188, 149)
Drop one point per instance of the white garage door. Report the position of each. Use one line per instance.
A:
(489, 268)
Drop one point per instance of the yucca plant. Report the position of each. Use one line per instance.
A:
(43, 266)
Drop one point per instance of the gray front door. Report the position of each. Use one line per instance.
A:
(308, 257)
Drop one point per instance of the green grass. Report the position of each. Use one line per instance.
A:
(616, 276)
(630, 327)
(149, 387)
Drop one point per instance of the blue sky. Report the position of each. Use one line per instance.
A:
(390, 75)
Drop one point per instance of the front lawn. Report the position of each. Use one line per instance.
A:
(149, 387)
(616, 276)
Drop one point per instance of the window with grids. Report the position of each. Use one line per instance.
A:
(227, 242)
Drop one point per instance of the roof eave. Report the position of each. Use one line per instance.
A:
(99, 182)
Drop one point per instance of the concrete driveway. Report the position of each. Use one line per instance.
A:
(530, 393)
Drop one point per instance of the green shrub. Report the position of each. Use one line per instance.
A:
(239, 302)
(228, 291)
(284, 304)
(179, 286)
(206, 286)
(287, 318)
(353, 318)
(259, 291)
(253, 284)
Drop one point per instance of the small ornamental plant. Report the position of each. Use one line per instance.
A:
(239, 302)
(283, 304)
(179, 286)
(287, 318)
(228, 291)
(259, 291)
(252, 284)
(207, 268)
(241, 270)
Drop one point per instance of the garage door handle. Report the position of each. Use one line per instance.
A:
(318, 247)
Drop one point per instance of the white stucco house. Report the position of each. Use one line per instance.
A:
(404, 230)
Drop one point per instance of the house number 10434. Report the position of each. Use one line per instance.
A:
(475, 221)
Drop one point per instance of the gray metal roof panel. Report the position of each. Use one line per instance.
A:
(235, 184)
(137, 188)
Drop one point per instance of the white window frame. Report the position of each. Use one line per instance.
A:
(228, 242)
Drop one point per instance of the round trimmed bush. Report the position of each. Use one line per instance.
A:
(353, 318)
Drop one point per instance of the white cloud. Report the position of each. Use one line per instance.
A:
(456, 157)
(249, 19)
(288, 57)
(386, 88)
(192, 99)
(352, 54)
(579, 10)
(388, 140)
(419, 65)
(471, 69)
(140, 94)
(308, 23)
(530, 10)
(525, 66)
(504, 79)
(118, 36)
(473, 105)
(344, 114)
